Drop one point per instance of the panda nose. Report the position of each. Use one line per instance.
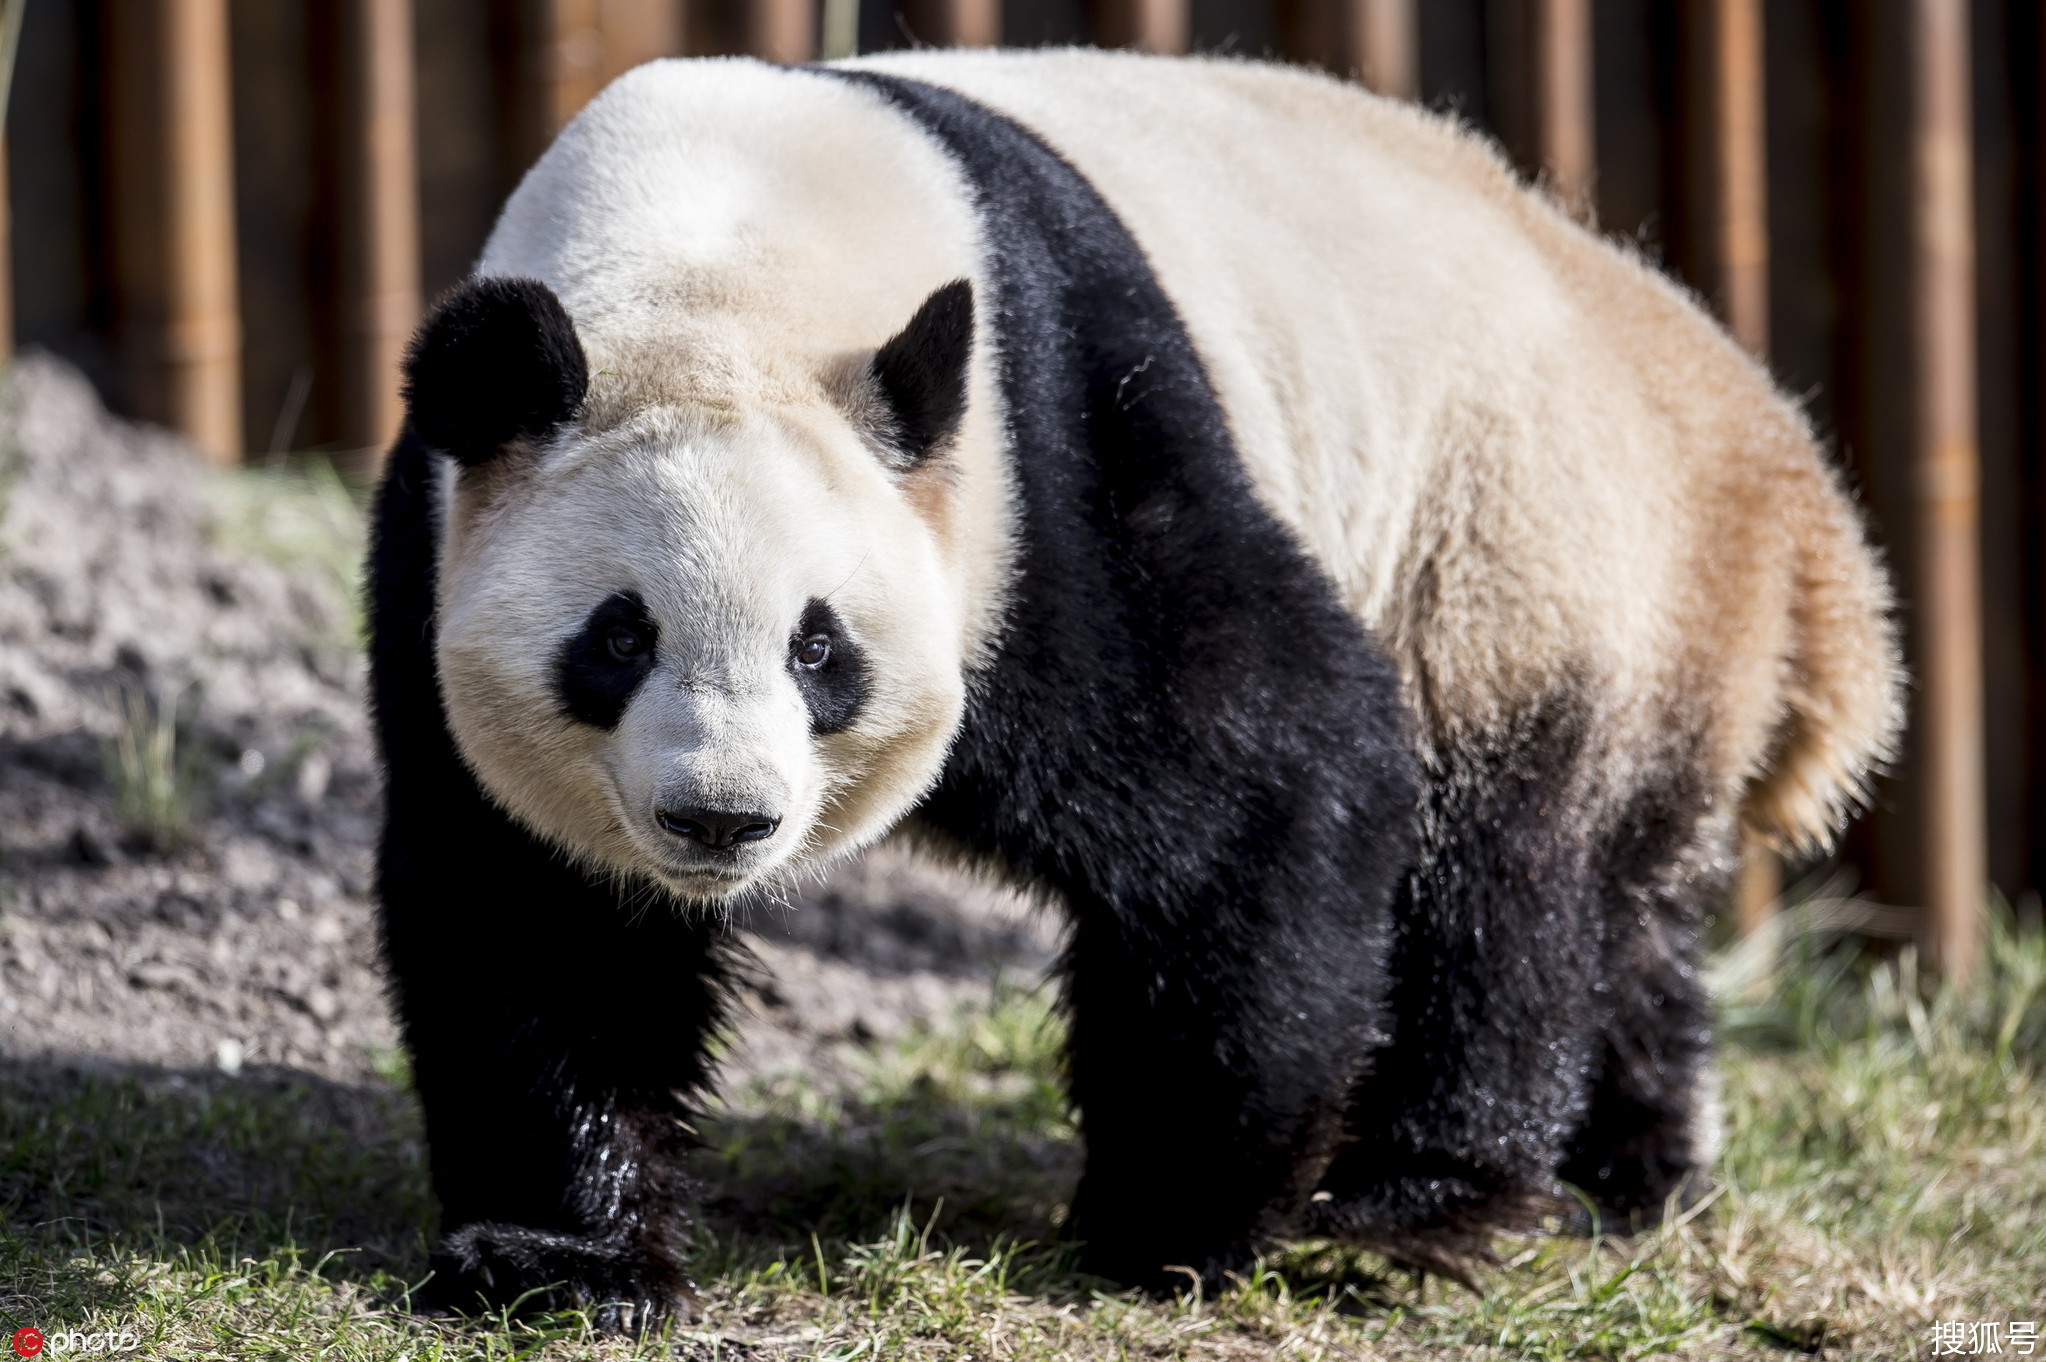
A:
(718, 829)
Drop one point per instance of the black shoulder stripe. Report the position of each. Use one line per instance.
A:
(1177, 677)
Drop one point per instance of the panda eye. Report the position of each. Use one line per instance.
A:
(813, 651)
(623, 644)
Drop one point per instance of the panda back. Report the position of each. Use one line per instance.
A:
(1523, 459)
(1535, 467)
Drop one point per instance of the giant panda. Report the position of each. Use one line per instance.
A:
(1219, 500)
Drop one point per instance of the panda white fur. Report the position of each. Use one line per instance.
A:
(1221, 499)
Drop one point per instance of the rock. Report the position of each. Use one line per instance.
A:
(160, 974)
(86, 849)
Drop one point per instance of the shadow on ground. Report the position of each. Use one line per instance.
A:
(977, 1171)
(102, 1162)
(140, 1159)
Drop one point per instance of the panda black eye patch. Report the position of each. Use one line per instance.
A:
(829, 669)
(603, 663)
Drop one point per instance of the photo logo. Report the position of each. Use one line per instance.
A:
(30, 1342)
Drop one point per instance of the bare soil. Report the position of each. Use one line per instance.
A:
(239, 931)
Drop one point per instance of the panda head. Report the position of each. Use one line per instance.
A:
(700, 635)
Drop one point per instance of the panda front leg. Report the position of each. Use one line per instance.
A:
(1209, 1060)
(557, 1038)
(614, 1239)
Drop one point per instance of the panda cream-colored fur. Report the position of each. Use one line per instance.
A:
(1223, 500)
(1521, 453)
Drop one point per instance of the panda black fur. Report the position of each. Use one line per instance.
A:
(1383, 901)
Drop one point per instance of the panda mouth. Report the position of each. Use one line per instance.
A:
(720, 876)
(698, 878)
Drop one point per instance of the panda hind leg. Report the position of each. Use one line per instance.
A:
(1456, 1132)
(1651, 1132)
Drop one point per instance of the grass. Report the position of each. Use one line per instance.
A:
(304, 517)
(301, 517)
(151, 771)
(1885, 1167)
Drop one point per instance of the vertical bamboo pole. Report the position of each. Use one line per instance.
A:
(1163, 26)
(1563, 99)
(6, 259)
(781, 30)
(1740, 280)
(1946, 484)
(570, 52)
(975, 23)
(1146, 25)
(839, 35)
(198, 341)
(636, 31)
(958, 23)
(380, 232)
(576, 47)
(1740, 172)
(1385, 45)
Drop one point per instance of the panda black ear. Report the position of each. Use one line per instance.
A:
(497, 361)
(922, 372)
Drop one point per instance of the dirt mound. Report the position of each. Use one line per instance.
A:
(188, 792)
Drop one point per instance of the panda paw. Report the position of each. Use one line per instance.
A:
(625, 1286)
(1162, 1266)
(1461, 1253)
(1634, 1205)
(1444, 1227)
